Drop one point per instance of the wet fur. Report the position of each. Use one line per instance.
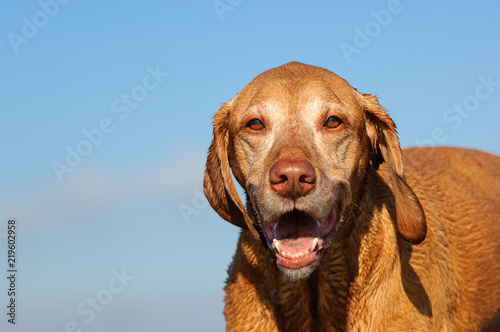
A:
(371, 277)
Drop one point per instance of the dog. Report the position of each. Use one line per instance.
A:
(341, 230)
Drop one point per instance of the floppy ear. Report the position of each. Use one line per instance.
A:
(385, 147)
(218, 184)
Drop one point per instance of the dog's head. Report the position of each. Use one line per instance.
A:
(299, 140)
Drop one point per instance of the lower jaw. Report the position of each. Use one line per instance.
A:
(297, 263)
(296, 274)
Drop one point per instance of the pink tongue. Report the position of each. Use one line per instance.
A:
(295, 232)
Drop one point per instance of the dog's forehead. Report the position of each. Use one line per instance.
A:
(295, 84)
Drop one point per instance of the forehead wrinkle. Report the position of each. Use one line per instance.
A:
(318, 91)
(254, 107)
(316, 105)
(264, 109)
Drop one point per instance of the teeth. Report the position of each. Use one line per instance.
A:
(313, 246)
(318, 223)
(297, 255)
(277, 245)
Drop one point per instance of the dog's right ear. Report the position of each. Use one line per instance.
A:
(218, 184)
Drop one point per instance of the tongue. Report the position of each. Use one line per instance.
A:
(296, 231)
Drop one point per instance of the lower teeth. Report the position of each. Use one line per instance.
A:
(297, 255)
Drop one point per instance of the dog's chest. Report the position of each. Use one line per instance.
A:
(318, 303)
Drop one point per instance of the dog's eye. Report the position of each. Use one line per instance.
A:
(332, 122)
(255, 124)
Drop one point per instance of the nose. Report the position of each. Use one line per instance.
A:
(292, 178)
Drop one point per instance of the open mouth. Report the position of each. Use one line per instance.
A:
(297, 238)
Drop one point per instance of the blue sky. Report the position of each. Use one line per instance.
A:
(142, 80)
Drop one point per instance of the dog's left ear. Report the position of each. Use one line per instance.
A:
(385, 147)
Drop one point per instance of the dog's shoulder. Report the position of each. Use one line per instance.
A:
(467, 171)
(445, 159)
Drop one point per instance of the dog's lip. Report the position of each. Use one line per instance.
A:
(296, 263)
(310, 238)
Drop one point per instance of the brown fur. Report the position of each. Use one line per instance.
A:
(377, 273)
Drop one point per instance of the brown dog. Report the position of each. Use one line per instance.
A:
(329, 241)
